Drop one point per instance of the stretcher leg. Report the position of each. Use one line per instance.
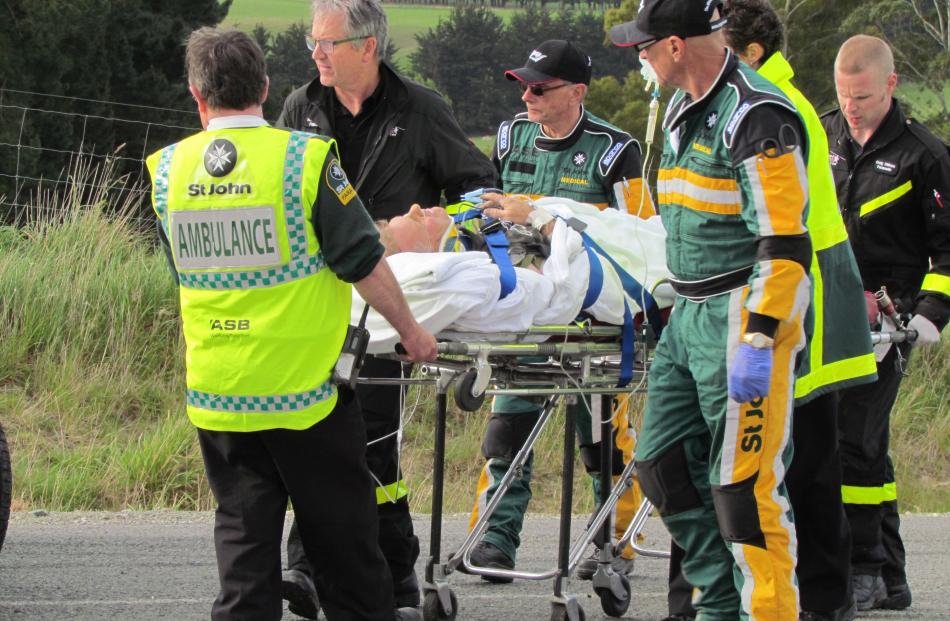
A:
(478, 528)
(612, 588)
(565, 607)
(439, 601)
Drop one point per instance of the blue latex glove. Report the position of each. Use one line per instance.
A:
(750, 374)
(475, 196)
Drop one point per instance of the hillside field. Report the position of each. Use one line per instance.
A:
(276, 15)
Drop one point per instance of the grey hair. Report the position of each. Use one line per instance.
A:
(360, 18)
(226, 67)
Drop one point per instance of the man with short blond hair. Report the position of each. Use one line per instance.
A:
(893, 182)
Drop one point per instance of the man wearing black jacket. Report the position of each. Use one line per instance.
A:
(892, 178)
(399, 144)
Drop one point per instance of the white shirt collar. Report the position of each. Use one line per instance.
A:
(236, 121)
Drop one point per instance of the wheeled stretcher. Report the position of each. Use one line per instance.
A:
(580, 359)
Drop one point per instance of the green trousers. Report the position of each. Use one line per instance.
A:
(714, 468)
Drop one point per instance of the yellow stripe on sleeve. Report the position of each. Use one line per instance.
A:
(886, 199)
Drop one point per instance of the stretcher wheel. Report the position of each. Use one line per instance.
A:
(432, 608)
(610, 603)
(559, 613)
(463, 392)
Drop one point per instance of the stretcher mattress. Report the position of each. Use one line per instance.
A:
(460, 291)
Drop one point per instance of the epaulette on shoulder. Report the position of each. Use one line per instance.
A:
(503, 137)
(936, 146)
(750, 97)
(619, 140)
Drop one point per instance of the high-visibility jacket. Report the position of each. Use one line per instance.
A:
(264, 318)
(839, 353)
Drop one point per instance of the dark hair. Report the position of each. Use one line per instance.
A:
(226, 67)
(753, 21)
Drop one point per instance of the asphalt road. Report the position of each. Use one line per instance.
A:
(160, 565)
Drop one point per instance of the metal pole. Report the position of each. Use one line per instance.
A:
(435, 538)
(606, 463)
(567, 489)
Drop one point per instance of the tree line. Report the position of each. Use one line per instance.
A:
(98, 51)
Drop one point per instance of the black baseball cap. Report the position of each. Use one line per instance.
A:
(554, 59)
(658, 19)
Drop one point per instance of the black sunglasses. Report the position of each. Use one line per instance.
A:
(539, 90)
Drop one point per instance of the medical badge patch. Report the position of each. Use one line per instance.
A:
(220, 157)
(338, 182)
(579, 158)
(711, 120)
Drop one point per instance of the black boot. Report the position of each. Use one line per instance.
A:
(869, 591)
(489, 556)
(297, 588)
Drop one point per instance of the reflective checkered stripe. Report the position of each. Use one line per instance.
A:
(296, 269)
(160, 186)
(259, 405)
(259, 355)
(301, 264)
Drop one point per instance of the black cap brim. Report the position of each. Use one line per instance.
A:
(628, 35)
(526, 74)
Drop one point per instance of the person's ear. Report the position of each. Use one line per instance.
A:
(369, 48)
(266, 90)
(677, 47)
(196, 95)
(891, 84)
(754, 54)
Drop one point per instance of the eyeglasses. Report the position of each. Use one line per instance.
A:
(327, 45)
(539, 90)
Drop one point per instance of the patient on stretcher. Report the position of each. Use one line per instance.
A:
(450, 288)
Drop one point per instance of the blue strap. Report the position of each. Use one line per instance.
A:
(626, 348)
(596, 283)
(498, 248)
(468, 214)
(633, 288)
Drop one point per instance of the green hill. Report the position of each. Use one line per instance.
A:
(405, 20)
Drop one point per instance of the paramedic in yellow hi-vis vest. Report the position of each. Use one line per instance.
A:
(266, 233)
(733, 196)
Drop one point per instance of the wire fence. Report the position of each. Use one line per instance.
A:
(47, 139)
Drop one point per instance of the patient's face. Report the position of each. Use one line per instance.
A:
(420, 230)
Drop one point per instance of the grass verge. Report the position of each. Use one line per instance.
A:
(91, 379)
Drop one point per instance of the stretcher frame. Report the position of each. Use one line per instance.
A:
(479, 365)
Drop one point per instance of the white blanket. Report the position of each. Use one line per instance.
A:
(459, 291)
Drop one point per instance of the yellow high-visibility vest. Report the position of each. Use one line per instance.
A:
(839, 353)
(264, 318)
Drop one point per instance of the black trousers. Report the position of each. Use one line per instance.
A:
(814, 487)
(864, 433)
(380, 410)
(322, 470)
